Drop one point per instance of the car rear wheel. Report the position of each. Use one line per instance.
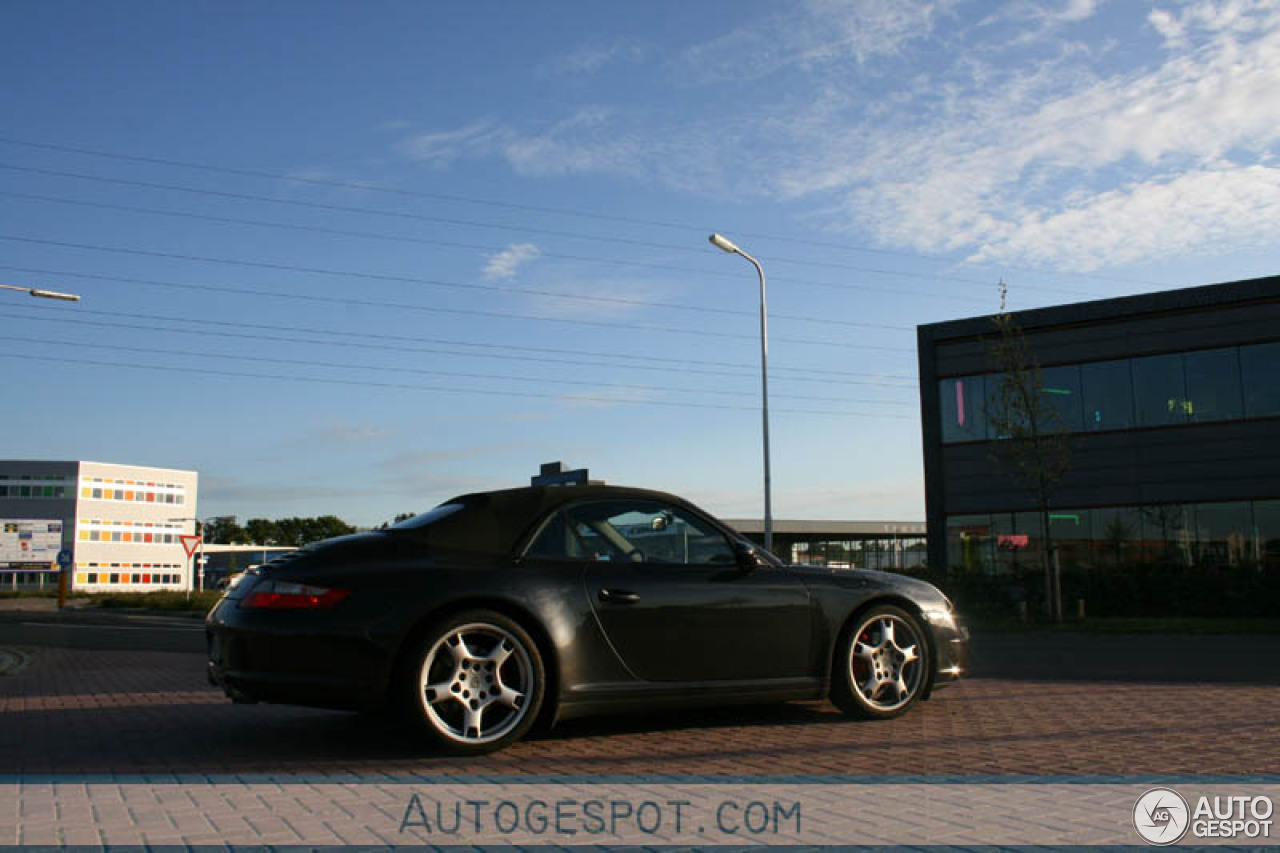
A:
(882, 663)
(478, 683)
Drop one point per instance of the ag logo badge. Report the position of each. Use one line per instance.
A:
(1161, 816)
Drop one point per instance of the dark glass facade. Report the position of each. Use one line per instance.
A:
(1169, 503)
(1223, 384)
(1235, 534)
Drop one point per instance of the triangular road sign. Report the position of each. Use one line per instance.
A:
(190, 543)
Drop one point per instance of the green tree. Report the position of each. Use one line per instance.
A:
(1032, 443)
(263, 531)
(225, 531)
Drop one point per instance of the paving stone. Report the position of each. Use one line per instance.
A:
(116, 712)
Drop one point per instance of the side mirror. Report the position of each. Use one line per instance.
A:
(747, 557)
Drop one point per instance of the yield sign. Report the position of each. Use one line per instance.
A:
(190, 543)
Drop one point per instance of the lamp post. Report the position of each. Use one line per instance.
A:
(43, 294)
(64, 562)
(723, 243)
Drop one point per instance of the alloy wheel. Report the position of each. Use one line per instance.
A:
(885, 662)
(475, 683)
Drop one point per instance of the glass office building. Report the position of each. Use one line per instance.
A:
(1172, 406)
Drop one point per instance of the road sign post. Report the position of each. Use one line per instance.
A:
(190, 544)
(64, 564)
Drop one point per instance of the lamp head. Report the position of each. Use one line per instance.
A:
(722, 242)
(53, 294)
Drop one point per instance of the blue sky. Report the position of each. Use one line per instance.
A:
(357, 258)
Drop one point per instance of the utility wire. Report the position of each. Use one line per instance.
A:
(467, 223)
(58, 315)
(615, 300)
(436, 388)
(419, 217)
(419, 281)
(451, 373)
(559, 211)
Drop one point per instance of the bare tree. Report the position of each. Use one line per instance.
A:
(1032, 443)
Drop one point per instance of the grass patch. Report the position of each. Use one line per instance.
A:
(166, 600)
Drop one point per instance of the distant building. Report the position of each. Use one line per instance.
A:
(884, 545)
(1172, 400)
(122, 524)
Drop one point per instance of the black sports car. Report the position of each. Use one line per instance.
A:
(499, 609)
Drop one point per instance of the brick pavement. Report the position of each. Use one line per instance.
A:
(94, 712)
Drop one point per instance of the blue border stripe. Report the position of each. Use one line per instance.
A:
(622, 779)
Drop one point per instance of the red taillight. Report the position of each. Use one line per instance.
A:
(283, 595)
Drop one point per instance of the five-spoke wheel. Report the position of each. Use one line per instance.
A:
(881, 664)
(479, 682)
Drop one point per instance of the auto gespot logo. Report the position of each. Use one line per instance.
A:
(1162, 816)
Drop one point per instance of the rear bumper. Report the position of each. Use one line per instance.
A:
(261, 657)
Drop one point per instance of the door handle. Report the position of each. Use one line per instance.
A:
(618, 596)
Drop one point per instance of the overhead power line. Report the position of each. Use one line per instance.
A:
(361, 341)
(584, 398)
(558, 211)
(450, 373)
(465, 223)
(579, 297)
(398, 279)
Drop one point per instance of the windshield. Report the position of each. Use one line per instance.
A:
(428, 518)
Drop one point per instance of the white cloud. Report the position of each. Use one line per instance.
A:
(1078, 10)
(590, 58)
(442, 148)
(977, 148)
(507, 263)
(1209, 16)
(811, 35)
(1203, 212)
(1168, 26)
(1024, 158)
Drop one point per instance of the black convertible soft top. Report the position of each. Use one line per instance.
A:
(497, 522)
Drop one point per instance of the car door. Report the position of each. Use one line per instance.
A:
(669, 594)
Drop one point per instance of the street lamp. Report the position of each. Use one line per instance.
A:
(721, 242)
(43, 294)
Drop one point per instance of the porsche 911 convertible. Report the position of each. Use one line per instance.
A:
(498, 610)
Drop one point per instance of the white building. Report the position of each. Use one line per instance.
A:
(122, 523)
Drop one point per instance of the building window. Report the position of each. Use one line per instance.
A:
(1060, 391)
(1168, 532)
(1260, 371)
(1266, 518)
(1224, 535)
(1116, 534)
(964, 410)
(970, 543)
(1071, 533)
(1159, 390)
(1213, 385)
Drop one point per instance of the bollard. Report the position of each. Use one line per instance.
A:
(1080, 609)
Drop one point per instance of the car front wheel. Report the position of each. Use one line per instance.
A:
(478, 684)
(881, 664)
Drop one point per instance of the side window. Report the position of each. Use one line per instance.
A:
(563, 538)
(552, 542)
(644, 532)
